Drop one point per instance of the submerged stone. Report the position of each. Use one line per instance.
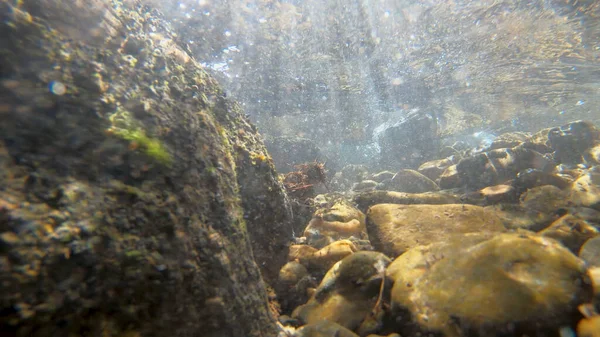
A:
(324, 329)
(570, 141)
(348, 292)
(494, 286)
(411, 181)
(393, 229)
(434, 169)
(368, 199)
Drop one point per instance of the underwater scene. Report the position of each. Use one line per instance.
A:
(290, 168)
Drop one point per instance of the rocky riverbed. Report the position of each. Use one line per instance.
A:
(136, 199)
(502, 241)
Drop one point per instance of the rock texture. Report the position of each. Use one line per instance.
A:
(393, 229)
(133, 194)
(535, 301)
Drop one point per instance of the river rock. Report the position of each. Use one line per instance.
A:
(382, 176)
(341, 211)
(572, 231)
(491, 287)
(434, 169)
(592, 156)
(348, 293)
(324, 328)
(518, 217)
(365, 186)
(531, 178)
(571, 141)
(496, 166)
(590, 251)
(589, 327)
(411, 181)
(491, 195)
(326, 257)
(368, 199)
(410, 142)
(301, 252)
(545, 199)
(509, 140)
(393, 229)
(318, 227)
(585, 191)
(450, 178)
(338, 221)
(126, 207)
(292, 286)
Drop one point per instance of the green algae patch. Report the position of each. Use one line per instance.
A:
(127, 128)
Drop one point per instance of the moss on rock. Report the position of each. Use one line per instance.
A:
(106, 239)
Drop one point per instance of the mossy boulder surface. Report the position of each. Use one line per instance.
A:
(134, 195)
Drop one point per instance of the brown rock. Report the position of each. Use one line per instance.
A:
(585, 191)
(326, 257)
(393, 229)
(341, 211)
(592, 155)
(324, 329)
(496, 166)
(291, 273)
(491, 195)
(590, 252)
(381, 176)
(434, 169)
(571, 231)
(531, 178)
(411, 181)
(545, 199)
(366, 200)
(138, 213)
(571, 141)
(300, 252)
(349, 291)
(365, 185)
(509, 140)
(450, 178)
(519, 217)
(334, 229)
(589, 327)
(494, 286)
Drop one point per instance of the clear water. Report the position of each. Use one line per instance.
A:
(338, 72)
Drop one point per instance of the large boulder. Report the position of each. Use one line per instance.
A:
(473, 286)
(134, 196)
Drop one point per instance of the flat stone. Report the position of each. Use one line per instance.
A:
(393, 229)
